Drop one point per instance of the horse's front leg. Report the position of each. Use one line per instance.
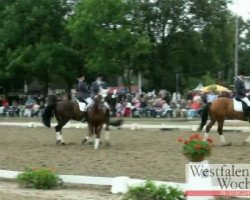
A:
(98, 130)
(90, 133)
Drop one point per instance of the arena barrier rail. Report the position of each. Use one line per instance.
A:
(119, 185)
(133, 126)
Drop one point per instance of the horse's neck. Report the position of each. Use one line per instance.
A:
(97, 105)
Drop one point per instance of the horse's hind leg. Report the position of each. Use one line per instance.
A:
(58, 128)
(208, 128)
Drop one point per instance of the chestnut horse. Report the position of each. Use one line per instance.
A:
(219, 110)
(97, 117)
(65, 111)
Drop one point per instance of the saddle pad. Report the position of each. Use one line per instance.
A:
(81, 105)
(237, 105)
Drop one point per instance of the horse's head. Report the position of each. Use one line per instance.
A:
(99, 100)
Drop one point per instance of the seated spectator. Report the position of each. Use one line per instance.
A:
(136, 107)
(119, 109)
(194, 109)
(197, 98)
(150, 109)
(13, 110)
(30, 102)
(35, 110)
(127, 112)
(166, 111)
(158, 106)
(143, 107)
(184, 107)
(4, 106)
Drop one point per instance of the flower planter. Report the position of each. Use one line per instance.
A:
(195, 150)
(198, 183)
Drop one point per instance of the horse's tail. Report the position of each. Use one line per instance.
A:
(204, 116)
(118, 122)
(47, 114)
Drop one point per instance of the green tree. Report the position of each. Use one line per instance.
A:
(109, 35)
(36, 43)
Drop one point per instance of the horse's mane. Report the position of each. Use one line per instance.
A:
(98, 102)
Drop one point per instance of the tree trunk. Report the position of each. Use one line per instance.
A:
(124, 81)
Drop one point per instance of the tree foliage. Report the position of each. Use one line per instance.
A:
(60, 39)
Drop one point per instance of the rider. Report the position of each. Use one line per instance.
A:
(84, 92)
(98, 84)
(240, 90)
(96, 87)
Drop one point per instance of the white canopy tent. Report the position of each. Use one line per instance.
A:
(198, 87)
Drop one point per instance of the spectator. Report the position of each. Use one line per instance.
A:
(143, 107)
(127, 109)
(166, 110)
(119, 109)
(194, 109)
(30, 102)
(197, 98)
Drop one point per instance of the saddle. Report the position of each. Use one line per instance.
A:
(82, 104)
(241, 106)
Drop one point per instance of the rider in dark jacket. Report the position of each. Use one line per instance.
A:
(240, 90)
(83, 91)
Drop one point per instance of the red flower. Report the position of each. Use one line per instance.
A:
(195, 137)
(180, 139)
(209, 140)
(186, 141)
(197, 146)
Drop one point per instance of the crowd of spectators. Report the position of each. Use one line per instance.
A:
(26, 106)
(157, 106)
(160, 105)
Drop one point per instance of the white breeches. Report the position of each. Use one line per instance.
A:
(88, 100)
(246, 100)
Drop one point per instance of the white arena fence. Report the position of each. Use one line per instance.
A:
(119, 185)
(133, 126)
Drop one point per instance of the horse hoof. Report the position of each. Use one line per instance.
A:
(83, 141)
(227, 144)
(58, 142)
(63, 143)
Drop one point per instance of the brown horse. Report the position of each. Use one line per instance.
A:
(65, 111)
(97, 117)
(219, 110)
